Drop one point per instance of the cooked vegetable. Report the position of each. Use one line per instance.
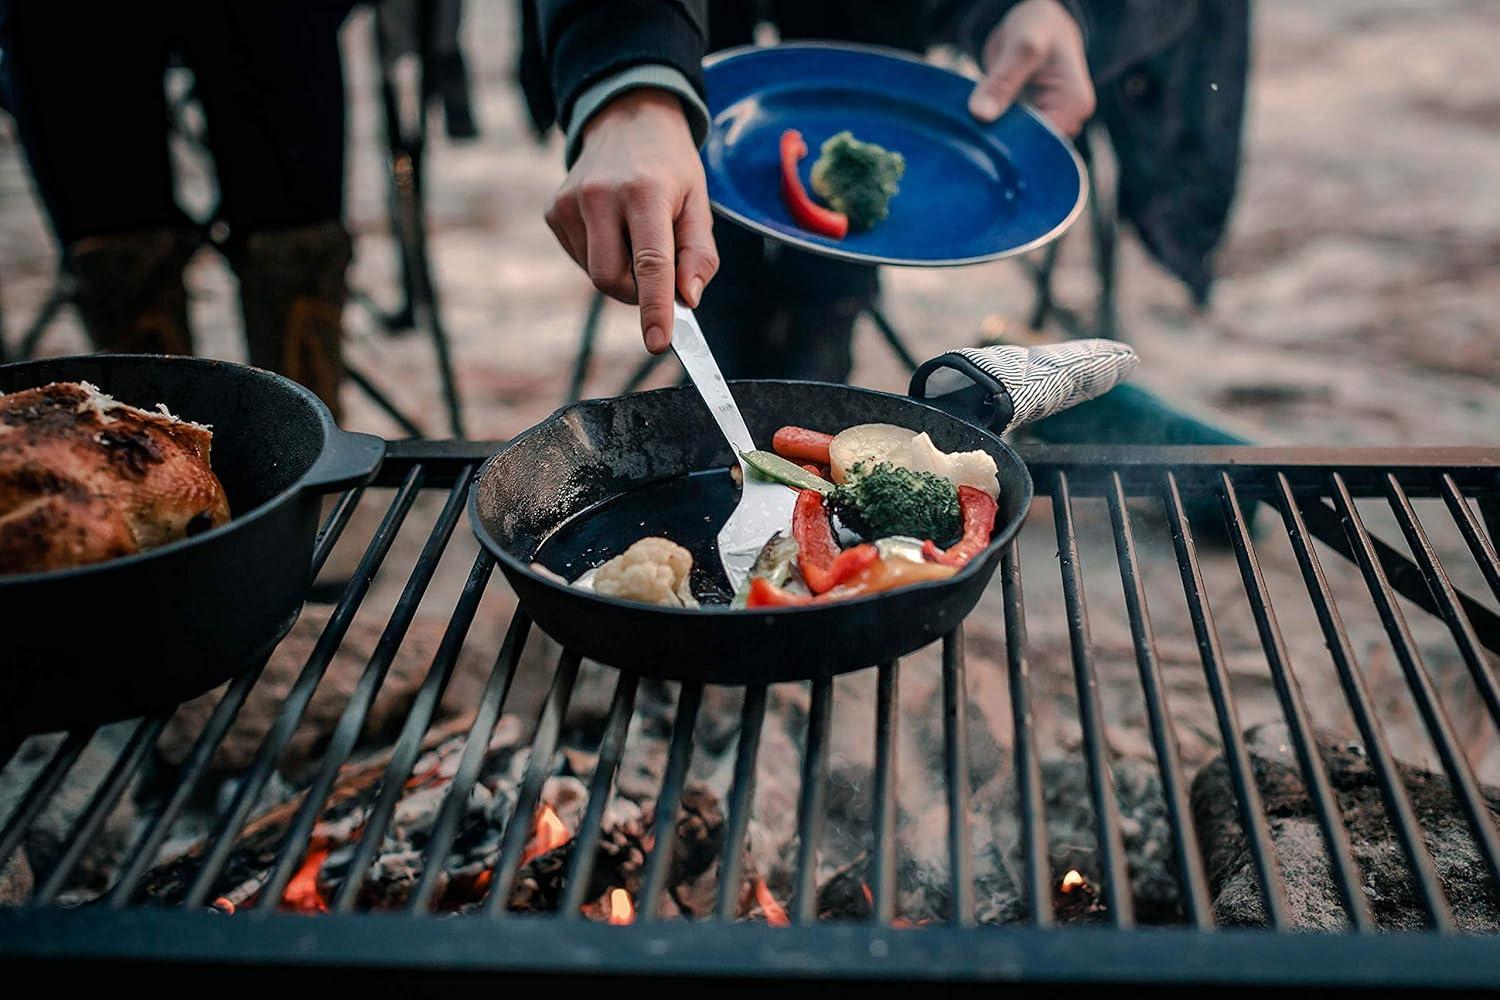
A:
(776, 564)
(653, 571)
(868, 445)
(979, 510)
(902, 547)
(961, 468)
(778, 469)
(823, 565)
(888, 574)
(857, 178)
(765, 594)
(802, 445)
(880, 575)
(889, 500)
(805, 212)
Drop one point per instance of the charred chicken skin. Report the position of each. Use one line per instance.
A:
(84, 478)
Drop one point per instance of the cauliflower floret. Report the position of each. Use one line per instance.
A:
(653, 570)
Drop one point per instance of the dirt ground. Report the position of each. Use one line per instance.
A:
(1359, 304)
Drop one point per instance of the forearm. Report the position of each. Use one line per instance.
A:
(597, 50)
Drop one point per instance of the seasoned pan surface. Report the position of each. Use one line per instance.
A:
(596, 476)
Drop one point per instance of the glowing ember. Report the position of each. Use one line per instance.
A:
(774, 914)
(621, 910)
(548, 833)
(302, 894)
(224, 905)
(1072, 881)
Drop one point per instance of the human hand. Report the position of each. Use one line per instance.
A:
(633, 211)
(1038, 48)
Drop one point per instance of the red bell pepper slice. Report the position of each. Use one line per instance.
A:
(805, 212)
(802, 445)
(978, 509)
(823, 565)
(765, 594)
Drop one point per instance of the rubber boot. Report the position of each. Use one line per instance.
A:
(292, 292)
(129, 292)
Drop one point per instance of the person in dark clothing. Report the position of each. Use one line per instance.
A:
(85, 81)
(624, 81)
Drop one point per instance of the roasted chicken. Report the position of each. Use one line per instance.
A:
(84, 478)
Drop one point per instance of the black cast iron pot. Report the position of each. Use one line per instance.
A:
(136, 635)
(558, 479)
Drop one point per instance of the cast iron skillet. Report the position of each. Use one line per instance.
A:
(130, 636)
(546, 497)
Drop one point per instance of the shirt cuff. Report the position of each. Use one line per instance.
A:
(657, 75)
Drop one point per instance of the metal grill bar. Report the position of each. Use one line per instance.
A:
(1420, 684)
(1397, 804)
(1028, 769)
(409, 743)
(611, 749)
(1478, 542)
(538, 770)
(679, 756)
(1116, 875)
(103, 801)
(810, 805)
(1236, 757)
(332, 528)
(1346, 875)
(1192, 880)
(1297, 490)
(741, 798)
(352, 722)
(883, 822)
(196, 763)
(1443, 593)
(230, 824)
(192, 770)
(42, 786)
(1400, 572)
(956, 759)
(445, 828)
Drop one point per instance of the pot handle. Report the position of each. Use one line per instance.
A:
(348, 459)
(1007, 385)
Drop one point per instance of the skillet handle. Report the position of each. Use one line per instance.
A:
(349, 459)
(1007, 386)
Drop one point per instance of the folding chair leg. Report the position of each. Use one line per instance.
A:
(586, 348)
(892, 338)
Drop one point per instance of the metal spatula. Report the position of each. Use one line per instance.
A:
(765, 507)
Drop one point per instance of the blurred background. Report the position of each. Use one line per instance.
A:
(1358, 299)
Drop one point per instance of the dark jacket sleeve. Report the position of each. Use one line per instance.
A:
(585, 41)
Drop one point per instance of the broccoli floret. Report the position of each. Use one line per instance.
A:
(889, 500)
(857, 178)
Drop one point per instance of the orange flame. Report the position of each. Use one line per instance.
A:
(621, 910)
(548, 833)
(869, 896)
(1072, 881)
(302, 894)
(774, 914)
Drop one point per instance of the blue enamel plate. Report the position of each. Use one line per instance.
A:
(971, 192)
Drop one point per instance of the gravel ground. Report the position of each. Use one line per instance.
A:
(1358, 305)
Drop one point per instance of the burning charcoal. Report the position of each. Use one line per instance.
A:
(846, 895)
(700, 833)
(1312, 895)
(1075, 900)
(568, 796)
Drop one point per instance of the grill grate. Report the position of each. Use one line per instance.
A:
(1311, 494)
